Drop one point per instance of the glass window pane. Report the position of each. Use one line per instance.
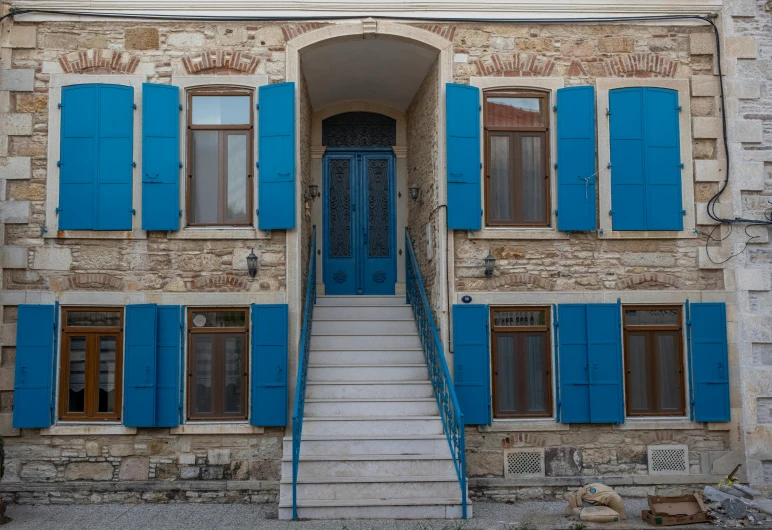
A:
(532, 154)
(638, 377)
(202, 372)
(536, 388)
(514, 112)
(107, 354)
(651, 317)
(505, 374)
(668, 366)
(206, 171)
(76, 397)
(219, 319)
(94, 318)
(519, 318)
(237, 177)
(500, 183)
(234, 350)
(220, 110)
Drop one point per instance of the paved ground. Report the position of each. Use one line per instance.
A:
(487, 516)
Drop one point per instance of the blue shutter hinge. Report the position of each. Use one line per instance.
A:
(180, 165)
(480, 108)
(683, 212)
(679, 108)
(608, 112)
(480, 165)
(611, 212)
(133, 211)
(180, 108)
(268, 232)
(180, 211)
(696, 231)
(257, 106)
(133, 164)
(681, 165)
(608, 166)
(257, 164)
(59, 163)
(556, 213)
(134, 106)
(556, 165)
(60, 106)
(59, 210)
(43, 230)
(257, 212)
(555, 108)
(601, 231)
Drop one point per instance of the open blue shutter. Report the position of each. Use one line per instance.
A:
(628, 197)
(277, 157)
(78, 157)
(462, 123)
(115, 157)
(605, 363)
(708, 362)
(140, 366)
(167, 366)
(471, 362)
(662, 152)
(35, 339)
(573, 360)
(160, 157)
(576, 158)
(269, 365)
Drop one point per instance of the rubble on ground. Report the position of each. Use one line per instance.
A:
(738, 506)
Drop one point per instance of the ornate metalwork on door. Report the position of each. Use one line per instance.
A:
(340, 208)
(359, 129)
(378, 207)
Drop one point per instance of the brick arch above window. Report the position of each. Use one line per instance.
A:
(88, 281)
(650, 279)
(218, 283)
(99, 62)
(640, 65)
(517, 65)
(220, 61)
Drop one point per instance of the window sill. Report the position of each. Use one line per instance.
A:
(524, 425)
(95, 234)
(644, 234)
(660, 424)
(517, 233)
(223, 232)
(82, 429)
(217, 428)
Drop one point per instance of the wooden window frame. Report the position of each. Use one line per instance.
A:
(518, 133)
(224, 132)
(91, 384)
(218, 366)
(653, 384)
(516, 330)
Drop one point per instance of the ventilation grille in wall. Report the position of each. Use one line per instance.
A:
(668, 459)
(523, 462)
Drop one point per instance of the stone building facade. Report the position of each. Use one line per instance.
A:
(537, 268)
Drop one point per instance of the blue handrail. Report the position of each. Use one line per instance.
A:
(444, 391)
(300, 387)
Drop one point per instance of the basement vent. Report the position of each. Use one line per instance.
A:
(668, 460)
(524, 463)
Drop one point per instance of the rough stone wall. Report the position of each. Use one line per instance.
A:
(305, 176)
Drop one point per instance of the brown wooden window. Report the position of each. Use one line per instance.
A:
(522, 385)
(92, 364)
(220, 125)
(517, 187)
(217, 364)
(654, 369)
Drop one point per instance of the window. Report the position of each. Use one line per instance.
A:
(521, 363)
(217, 364)
(654, 369)
(92, 361)
(220, 157)
(517, 158)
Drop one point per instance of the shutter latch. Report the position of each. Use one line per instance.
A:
(681, 165)
(133, 211)
(555, 108)
(611, 212)
(609, 166)
(679, 108)
(59, 163)
(683, 212)
(257, 164)
(257, 106)
(60, 106)
(608, 112)
(134, 106)
(59, 210)
(133, 164)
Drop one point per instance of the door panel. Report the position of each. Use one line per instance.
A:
(340, 275)
(378, 260)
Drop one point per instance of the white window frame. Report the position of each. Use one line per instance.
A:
(604, 86)
(551, 85)
(59, 81)
(186, 82)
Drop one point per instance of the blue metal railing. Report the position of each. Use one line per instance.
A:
(300, 387)
(444, 392)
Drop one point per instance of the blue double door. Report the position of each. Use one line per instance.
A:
(359, 209)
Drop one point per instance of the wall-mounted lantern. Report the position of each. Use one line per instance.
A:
(415, 194)
(490, 264)
(252, 265)
(313, 192)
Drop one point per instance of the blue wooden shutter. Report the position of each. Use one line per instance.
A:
(708, 362)
(78, 157)
(628, 199)
(160, 157)
(462, 122)
(576, 158)
(168, 322)
(115, 158)
(573, 362)
(662, 160)
(269, 365)
(277, 157)
(140, 366)
(471, 362)
(33, 383)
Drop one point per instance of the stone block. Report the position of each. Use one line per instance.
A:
(39, 472)
(17, 80)
(134, 468)
(93, 449)
(704, 85)
(230, 35)
(702, 44)
(121, 449)
(16, 168)
(754, 280)
(5, 102)
(744, 88)
(740, 8)
(761, 354)
(764, 410)
(747, 131)
(756, 328)
(562, 462)
(721, 209)
(89, 471)
(218, 457)
(704, 127)
(167, 472)
(648, 259)
(16, 124)
(750, 176)
(461, 58)
(8, 335)
(211, 473)
(59, 41)
(190, 472)
(616, 45)
(52, 258)
(760, 234)
(714, 258)
(6, 428)
(31, 102)
(51, 67)
(13, 257)
(709, 171)
(141, 38)
(20, 37)
(187, 459)
(503, 43)
(741, 47)
(186, 39)
(14, 212)
(99, 258)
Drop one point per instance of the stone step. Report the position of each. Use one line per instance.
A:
(368, 389)
(407, 341)
(384, 357)
(433, 444)
(370, 466)
(351, 301)
(363, 327)
(374, 407)
(368, 372)
(373, 509)
(388, 312)
(328, 488)
(364, 425)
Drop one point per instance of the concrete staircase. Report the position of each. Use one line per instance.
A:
(373, 443)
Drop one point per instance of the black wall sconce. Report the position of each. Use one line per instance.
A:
(416, 195)
(252, 265)
(313, 192)
(490, 264)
